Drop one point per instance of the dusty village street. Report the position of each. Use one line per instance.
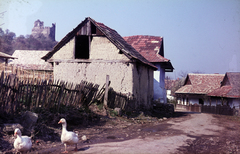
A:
(184, 132)
(167, 137)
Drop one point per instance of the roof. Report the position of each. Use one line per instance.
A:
(31, 59)
(111, 34)
(4, 55)
(230, 86)
(150, 47)
(147, 46)
(201, 83)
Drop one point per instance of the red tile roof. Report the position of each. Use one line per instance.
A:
(230, 86)
(148, 46)
(201, 83)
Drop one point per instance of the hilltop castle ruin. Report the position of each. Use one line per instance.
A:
(48, 32)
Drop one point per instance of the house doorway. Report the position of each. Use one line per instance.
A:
(201, 101)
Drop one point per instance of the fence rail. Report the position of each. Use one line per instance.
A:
(17, 95)
(24, 74)
(218, 109)
(124, 101)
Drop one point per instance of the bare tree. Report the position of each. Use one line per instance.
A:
(183, 74)
(168, 83)
(198, 72)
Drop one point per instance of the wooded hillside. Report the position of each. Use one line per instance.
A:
(9, 42)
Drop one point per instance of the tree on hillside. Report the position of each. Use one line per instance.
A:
(20, 43)
(6, 40)
(9, 42)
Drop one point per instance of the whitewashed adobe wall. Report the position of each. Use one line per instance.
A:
(66, 52)
(159, 85)
(124, 77)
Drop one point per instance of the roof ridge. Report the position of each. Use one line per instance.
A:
(144, 35)
(203, 74)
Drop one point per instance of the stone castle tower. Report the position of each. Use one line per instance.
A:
(48, 32)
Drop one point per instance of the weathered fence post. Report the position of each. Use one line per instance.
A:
(105, 101)
(106, 92)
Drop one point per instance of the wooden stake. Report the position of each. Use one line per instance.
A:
(106, 95)
(106, 92)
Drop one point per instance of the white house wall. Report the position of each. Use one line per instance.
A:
(159, 84)
(125, 77)
(236, 103)
(66, 52)
(232, 102)
(95, 72)
(192, 100)
(99, 51)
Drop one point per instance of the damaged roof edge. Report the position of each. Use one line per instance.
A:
(112, 36)
(64, 40)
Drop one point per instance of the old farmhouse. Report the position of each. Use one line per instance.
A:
(196, 87)
(5, 57)
(31, 60)
(229, 91)
(211, 89)
(151, 48)
(92, 50)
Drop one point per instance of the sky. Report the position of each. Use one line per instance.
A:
(199, 35)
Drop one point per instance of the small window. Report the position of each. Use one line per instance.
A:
(82, 47)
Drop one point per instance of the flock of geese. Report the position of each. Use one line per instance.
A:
(24, 143)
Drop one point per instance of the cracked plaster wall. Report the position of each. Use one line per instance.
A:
(66, 52)
(133, 78)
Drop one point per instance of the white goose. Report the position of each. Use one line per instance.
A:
(68, 137)
(22, 143)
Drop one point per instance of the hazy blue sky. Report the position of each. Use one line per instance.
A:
(199, 35)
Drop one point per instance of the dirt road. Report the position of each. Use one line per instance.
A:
(185, 130)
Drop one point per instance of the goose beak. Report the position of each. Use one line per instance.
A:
(60, 122)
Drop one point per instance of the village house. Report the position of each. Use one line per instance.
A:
(196, 87)
(91, 51)
(31, 60)
(151, 48)
(4, 58)
(229, 91)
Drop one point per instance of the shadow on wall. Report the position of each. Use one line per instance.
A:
(159, 93)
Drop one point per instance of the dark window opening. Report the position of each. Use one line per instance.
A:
(93, 28)
(82, 47)
(201, 101)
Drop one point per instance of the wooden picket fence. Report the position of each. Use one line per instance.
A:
(17, 95)
(119, 100)
(22, 89)
(24, 74)
(218, 109)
